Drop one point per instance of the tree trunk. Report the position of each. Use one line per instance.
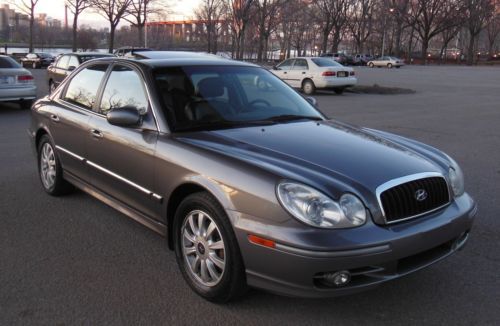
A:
(324, 45)
(425, 47)
(111, 40)
(399, 31)
(266, 44)
(140, 35)
(470, 50)
(32, 23)
(75, 33)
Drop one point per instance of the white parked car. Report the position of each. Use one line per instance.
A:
(311, 73)
(386, 61)
(16, 83)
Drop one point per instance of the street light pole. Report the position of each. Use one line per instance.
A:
(391, 10)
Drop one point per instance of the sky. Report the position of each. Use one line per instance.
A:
(182, 9)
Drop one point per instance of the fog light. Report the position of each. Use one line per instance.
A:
(340, 278)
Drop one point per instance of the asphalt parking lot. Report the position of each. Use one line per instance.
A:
(74, 260)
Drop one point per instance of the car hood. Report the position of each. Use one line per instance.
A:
(323, 152)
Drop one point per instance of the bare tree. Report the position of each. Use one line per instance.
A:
(267, 11)
(432, 17)
(27, 7)
(478, 13)
(332, 15)
(113, 11)
(361, 22)
(492, 31)
(76, 7)
(240, 16)
(137, 14)
(212, 12)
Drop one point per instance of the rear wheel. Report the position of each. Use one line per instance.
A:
(34, 65)
(371, 65)
(206, 249)
(25, 104)
(338, 91)
(308, 87)
(50, 170)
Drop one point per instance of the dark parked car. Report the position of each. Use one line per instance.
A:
(129, 50)
(37, 60)
(339, 57)
(16, 83)
(66, 63)
(250, 183)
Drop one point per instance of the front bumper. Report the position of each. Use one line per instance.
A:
(373, 254)
(18, 93)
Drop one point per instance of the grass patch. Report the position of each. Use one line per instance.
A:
(377, 89)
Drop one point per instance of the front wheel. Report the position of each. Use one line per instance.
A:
(52, 87)
(389, 65)
(371, 65)
(308, 87)
(50, 170)
(206, 249)
(34, 65)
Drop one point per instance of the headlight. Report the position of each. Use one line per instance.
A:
(457, 180)
(312, 207)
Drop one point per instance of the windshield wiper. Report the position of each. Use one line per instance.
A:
(292, 117)
(223, 124)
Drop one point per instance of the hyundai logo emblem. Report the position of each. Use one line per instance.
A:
(421, 195)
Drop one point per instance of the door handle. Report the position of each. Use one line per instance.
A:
(96, 133)
(54, 118)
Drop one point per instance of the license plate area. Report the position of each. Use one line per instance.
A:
(6, 80)
(342, 74)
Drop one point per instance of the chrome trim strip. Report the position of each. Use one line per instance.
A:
(119, 177)
(398, 181)
(331, 254)
(78, 157)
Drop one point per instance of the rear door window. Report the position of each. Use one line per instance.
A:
(83, 87)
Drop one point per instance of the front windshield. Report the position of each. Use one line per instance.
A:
(216, 97)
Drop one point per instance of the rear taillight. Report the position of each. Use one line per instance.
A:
(328, 73)
(352, 73)
(25, 79)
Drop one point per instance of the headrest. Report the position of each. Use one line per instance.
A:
(211, 87)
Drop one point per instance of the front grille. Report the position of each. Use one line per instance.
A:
(400, 202)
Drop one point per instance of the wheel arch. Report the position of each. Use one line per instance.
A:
(39, 133)
(185, 189)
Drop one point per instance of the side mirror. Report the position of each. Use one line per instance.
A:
(71, 68)
(275, 68)
(312, 100)
(126, 116)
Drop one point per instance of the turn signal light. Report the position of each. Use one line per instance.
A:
(261, 241)
(328, 73)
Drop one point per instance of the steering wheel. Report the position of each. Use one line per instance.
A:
(266, 103)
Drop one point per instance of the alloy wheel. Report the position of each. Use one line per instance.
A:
(203, 248)
(48, 166)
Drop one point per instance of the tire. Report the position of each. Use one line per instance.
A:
(371, 65)
(50, 170)
(308, 87)
(25, 104)
(338, 91)
(34, 65)
(389, 65)
(52, 87)
(219, 284)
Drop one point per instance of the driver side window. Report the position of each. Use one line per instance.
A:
(286, 65)
(124, 88)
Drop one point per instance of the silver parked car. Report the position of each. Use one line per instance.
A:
(16, 83)
(251, 184)
(386, 61)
